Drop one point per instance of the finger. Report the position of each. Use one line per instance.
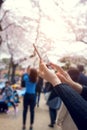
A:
(58, 68)
(54, 66)
(61, 77)
(41, 60)
(41, 65)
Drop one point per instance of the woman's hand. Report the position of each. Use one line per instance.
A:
(62, 75)
(65, 78)
(48, 75)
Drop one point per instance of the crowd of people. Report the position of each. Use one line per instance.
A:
(73, 94)
(69, 87)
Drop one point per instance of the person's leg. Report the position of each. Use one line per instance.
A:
(51, 113)
(25, 109)
(10, 99)
(55, 115)
(5, 107)
(13, 104)
(38, 98)
(1, 107)
(75, 104)
(32, 107)
(6, 102)
(52, 117)
(62, 114)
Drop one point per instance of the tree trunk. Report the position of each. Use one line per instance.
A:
(14, 66)
(1, 2)
(9, 69)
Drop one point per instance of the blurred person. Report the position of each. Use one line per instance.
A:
(72, 93)
(64, 114)
(3, 104)
(82, 77)
(16, 96)
(77, 74)
(9, 96)
(30, 81)
(74, 73)
(54, 104)
(39, 87)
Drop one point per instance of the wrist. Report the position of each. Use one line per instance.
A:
(71, 83)
(76, 86)
(56, 82)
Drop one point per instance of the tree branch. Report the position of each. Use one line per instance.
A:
(4, 15)
(8, 26)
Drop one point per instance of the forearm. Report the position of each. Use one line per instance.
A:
(75, 104)
(76, 86)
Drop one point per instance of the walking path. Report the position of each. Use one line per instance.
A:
(14, 122)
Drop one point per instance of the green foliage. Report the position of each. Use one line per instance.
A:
(6, 61)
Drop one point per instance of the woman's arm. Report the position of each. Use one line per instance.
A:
(76, 86)
(60, 77)
(65, 78)
(48, 75)
(68, 92)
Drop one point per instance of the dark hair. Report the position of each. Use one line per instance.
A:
(74, 73)
(7, 82)
(80, 67)
(33, 75)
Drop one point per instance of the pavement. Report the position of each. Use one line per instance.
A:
(13, 121)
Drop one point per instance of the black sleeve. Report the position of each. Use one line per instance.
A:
(84, 92)
(75, 104)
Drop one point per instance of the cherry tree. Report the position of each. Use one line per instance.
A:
(41, 25)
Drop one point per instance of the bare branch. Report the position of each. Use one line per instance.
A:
(1, 28)
(4, 15)
(8, 26)
(13, 25)
(33, 55)
(0, 40)
(9, 48)
(83, 41)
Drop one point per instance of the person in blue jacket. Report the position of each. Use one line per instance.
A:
(73, 94)
(30, 96)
